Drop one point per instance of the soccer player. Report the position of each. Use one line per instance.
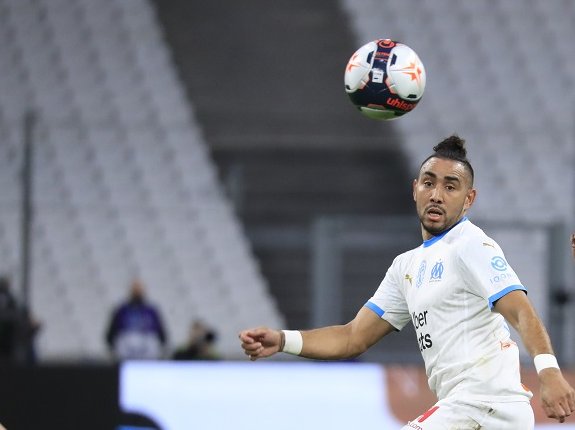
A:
(459, 292)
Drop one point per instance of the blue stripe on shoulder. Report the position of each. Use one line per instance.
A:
(503, 292)
(375, 308)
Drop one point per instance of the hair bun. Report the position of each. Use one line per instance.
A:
(452, 147)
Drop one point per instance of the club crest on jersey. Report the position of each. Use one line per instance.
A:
(436, 272)
(421, 274)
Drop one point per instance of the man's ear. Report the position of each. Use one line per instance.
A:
(470, 198)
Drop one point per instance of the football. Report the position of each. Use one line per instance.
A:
(385, 79)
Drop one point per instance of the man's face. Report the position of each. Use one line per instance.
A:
(137, 291)
(442, 195)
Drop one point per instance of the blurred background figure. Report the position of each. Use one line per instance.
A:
(136, 330)
(573, 245)
(17, 328)
(8, 320)
(200, 344)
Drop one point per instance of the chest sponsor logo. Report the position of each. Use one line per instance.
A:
(421, 273)
(419, 320)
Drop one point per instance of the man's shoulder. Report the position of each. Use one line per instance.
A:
(466, 234)
(474, 244)
(405, 257)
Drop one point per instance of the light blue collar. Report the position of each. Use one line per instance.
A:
(434, 239)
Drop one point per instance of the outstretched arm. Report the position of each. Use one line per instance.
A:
(327, 343)
(557, 396)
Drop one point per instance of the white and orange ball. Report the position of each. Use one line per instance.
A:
(385, 79)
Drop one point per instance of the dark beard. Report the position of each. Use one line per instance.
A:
(434, 231)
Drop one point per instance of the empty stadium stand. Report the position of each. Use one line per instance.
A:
(123, 182)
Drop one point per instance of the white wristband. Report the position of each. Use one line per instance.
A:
(293, 342)
(545, 361)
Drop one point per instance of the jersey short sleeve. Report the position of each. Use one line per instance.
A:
(486, 271)
(389, 301)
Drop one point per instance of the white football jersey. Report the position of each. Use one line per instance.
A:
(447, 288)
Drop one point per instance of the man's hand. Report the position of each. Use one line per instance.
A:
(557, 396)
(573, 245)
(260, 342)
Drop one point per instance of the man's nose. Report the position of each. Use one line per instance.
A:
(437, 195)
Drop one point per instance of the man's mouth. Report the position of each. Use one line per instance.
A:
(434, 213)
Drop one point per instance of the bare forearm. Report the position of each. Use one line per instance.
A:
(329, 343)
(345, 341)
(525, 320)
(519, 312)
(532, 331)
